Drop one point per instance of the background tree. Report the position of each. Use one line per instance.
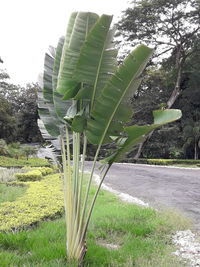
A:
(171, 26)
(8, 123)
(191, 136)
(27, 114)
(18, 111)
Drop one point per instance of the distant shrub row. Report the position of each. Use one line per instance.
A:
(166, 161)
(12, 162)
(172, 161)
(43, 199)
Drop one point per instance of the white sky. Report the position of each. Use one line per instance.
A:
(28, 27)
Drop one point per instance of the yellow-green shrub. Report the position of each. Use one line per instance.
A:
(33, 175)
(43, 199)
(172, 161)
(44, 170)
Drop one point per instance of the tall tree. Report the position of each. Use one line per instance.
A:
(171, 26)
(18, 111)
(8, 125)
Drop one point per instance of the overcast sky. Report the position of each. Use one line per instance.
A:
(28, 27)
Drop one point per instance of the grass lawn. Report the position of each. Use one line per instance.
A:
(142, 236)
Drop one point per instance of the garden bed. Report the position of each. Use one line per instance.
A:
(140, 236)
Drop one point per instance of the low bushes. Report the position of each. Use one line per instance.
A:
(164, 161)
(33, 174)
(172, 161)
(42, 199)
(12, 162)
(16, 150)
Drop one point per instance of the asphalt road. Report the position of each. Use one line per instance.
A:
(169, 187)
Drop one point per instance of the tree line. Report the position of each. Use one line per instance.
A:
(172, 80)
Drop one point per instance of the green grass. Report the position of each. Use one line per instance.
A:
(12, 162)
(10, 193)
(143, 236)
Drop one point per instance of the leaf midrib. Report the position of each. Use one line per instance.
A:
(119, 102)
(98, 72)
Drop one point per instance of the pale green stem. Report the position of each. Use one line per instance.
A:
(78, 221)
(76, 154)
(88, 189)
(82, 172)
(69, 191)
(66, 196)
(93, 203)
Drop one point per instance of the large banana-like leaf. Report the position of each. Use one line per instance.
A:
(61, 106)
(45, 97)
(97, 61)
(50, 121)
(57, 59)
(46, 82)
(79, 26)
(137, 133)
(111, 100)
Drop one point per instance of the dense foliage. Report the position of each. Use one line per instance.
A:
(18, 111)
(172, 80)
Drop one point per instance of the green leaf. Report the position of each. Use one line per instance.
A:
(47, 75)
(166, 115)
(97, 61)
(57, 60)
(137, 133)
(79, 26)
(45, 98)
(79, 124)
(51, 123)
(112, 98)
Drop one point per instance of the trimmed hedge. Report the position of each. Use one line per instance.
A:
(164, 161)
(172, 161)
(43, 199)
(12, 162)
(34, 175)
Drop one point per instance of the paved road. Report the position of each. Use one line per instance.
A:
(177, 188)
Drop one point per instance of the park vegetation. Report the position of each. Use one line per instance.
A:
(92, 100)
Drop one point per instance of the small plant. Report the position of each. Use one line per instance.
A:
(3, 147)
(27, 151)
(14, 150)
